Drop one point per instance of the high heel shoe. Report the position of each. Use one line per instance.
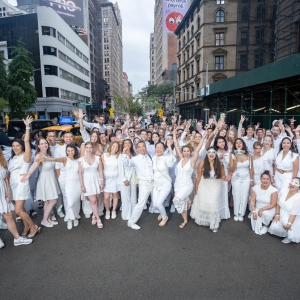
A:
(31, 236)
(159, 218)
(24, 233)
(99, 224)
(94, 220)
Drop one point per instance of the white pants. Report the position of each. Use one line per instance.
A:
(265, 219)
(128, 197)
(158, 198)
(240, 193)
(282, 180)
(145, 189)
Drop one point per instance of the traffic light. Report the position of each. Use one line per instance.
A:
(161, 113)
(111, 112)
(177, 96)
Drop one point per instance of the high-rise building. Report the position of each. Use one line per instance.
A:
(60, 59)
(125, 85)
(112, 49)
(163, 41)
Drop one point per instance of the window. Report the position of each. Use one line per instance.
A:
(50, 70)
(198, 43)
(257, 61)
(184, 41)
(48, 31)
(184, 75)
(244, 15)
(179, 45)
(220, 1)
(187, 73)
(220, 16)
(183, 56)
(220, 38)
(244, 38)
(70, 46)
(61, 38)
(198, 22)
(72, 78)
(192, 30)
(73, 96)
(243, 62)
(198, 66)
(72, 63)
(188, 35)
(260, 13)
(192, 70)
(192, 49)
(52, 92)
(49, 50)
(219, 62)
(259, 36)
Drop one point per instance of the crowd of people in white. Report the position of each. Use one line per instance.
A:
(201, 172)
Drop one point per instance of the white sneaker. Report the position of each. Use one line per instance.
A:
(78, 217)
(76, 222)
(66, 219)
(107, 215)
(54, 223)
(113, 215)
(145, 207)
(60, 213)
(286, 240)
(172, 209)
(22, 241)
(2, 245)
(241, 219)
(235, 218)
(87, 216)
(69, 224)
(133, 226)
(53, 218)
(263, 230)
(3, 225)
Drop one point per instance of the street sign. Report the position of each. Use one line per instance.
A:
(104, 104)
(81, 104)
(94, 106)
(207, 90)
(151, 100)
(65, 120)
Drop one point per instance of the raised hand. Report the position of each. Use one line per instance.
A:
(292, 120)
(169, 143)
(27, 121)
(80, 114)
(243, 118)
(127, 117)
(75, 113)
(164, 118)
(298, 128)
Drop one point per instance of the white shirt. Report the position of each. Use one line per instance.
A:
(93, 125)
(53, 149)
(285, 164)
(61, 152)
(143, 172)
(249, 143)
(277, 142)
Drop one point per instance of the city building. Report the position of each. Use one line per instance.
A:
(112, 49)
(125, 85)
(8, 10)
(163, 41)
(60, 57)
(206, 51)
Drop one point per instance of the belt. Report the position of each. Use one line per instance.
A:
(284, 171)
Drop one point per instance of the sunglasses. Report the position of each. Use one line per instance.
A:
(211, 152)
(131, 131)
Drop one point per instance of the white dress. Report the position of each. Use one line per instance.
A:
(259, 166)
(5, 207)
(287, 208)
(73, 190)
(47, 185)
(225, 212)
(283, 180)
(16, 166)
(111, 173)
(207, 203)
(270, 156)
(263, 198)
(91, 176)
(183, 185)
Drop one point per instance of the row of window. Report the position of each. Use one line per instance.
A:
(54, 92)
(73, 63)
(72, 78)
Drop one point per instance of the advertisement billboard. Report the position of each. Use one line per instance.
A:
(173, 13)
(70, 11)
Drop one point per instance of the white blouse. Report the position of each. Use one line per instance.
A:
(161, 165)
(270, 156)
(286, 163)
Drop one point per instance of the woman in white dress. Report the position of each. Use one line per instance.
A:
(103, 142)
(263, 201)
(220, 145)
(184, 170)
(73, 190)
(111, 177)
(287, 216)
(6, 206)
(162, 181)
(127, 179)
(208, 190)
(151, 147)
(260, 163)
(269, 153)
(47, 188)
(286, 164)
(241, 168)
(91, 180)
(18, 164)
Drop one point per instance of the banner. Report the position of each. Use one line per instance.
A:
(70, 11)
(173, 13)
(104, 103)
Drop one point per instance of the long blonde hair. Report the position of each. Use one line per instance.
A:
(108, 151)
(3, 162)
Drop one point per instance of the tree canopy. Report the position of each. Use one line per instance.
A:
(3, 77)
(129, 105)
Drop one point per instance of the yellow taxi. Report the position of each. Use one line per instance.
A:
(62, 129)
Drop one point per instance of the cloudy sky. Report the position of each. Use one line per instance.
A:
(138, 23)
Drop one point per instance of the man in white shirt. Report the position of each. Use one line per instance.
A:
(144, 171)
(100, 124)
(248, 139)
(199, 128)
(51, 137)
(278, 135)
(144, 137)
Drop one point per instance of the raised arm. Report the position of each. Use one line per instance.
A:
(197, 150)
(62, 160)
(33, 167)
(199, 175)
(80, 118)
(27, 153)
(179, 154)
(241, 126)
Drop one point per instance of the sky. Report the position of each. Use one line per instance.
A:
(138, 23)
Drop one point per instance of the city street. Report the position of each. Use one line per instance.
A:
(152, 263)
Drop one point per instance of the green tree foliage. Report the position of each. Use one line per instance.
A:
(3, 77)
(21, 94)
(159, 91)
(129, 105)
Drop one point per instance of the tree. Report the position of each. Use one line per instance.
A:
(21, 94)
(160, 91)
(129, 105)
(3, 77)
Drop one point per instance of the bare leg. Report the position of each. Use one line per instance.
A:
(48, 205)
(115, 201)
(94, 204)
(20, 211)
(11, 225)
(106, 201)
(185, 220)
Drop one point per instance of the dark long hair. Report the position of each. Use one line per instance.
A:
(131, 147)
(38, 149)
(244, 146)
(173, 145)
(21, 142)
(215, 146)
(152, 142)
(76, 155)
(217, 167)
(292, 149)
(161, 143)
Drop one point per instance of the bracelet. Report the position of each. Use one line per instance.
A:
(251, 179)
(289, 223)
(101, 179)
(297, 132)
(277, 214)
(27, 128)
(254, 211)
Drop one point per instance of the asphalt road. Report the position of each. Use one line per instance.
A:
(152, 263)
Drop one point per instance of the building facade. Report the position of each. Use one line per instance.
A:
(207, 41)
(61, 60)
(152, 59)
(112, 49)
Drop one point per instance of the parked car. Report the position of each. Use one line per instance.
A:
(62, 129)
(18, 126)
